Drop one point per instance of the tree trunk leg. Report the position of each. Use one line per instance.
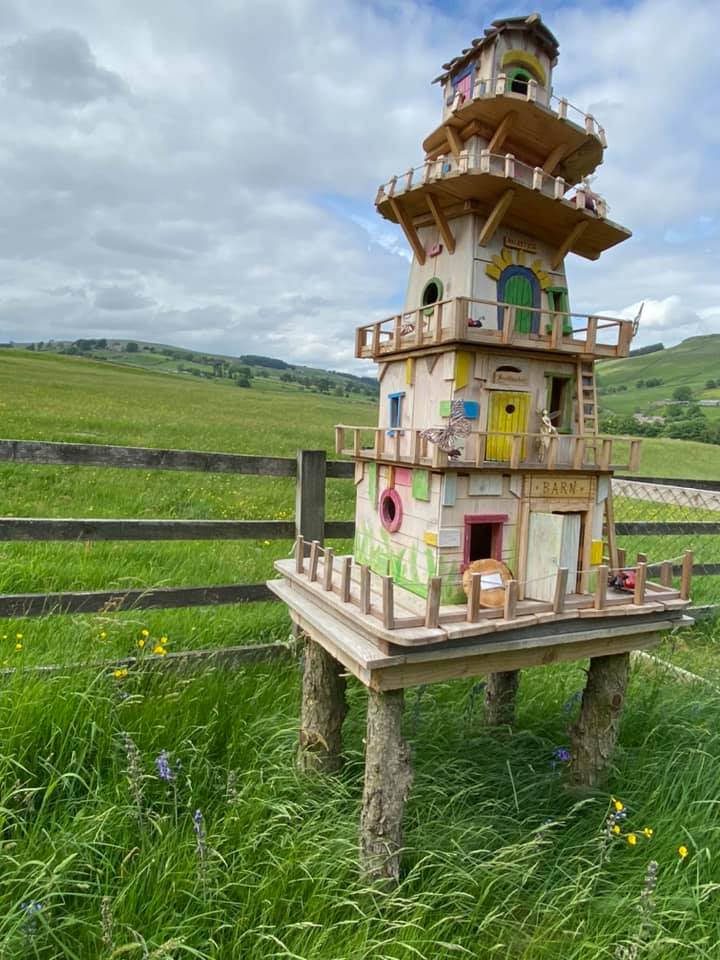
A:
(388, 775)
(593, 737)
(500, 693)
(323, 711)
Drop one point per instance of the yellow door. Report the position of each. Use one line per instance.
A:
(508, 414)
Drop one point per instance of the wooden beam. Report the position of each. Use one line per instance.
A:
(442, 224)
(500, 135)
(554, 158)
(565, 247)
(495, 218)
(410, 232)
(456, 144)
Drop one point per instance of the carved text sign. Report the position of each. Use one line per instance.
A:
(565, 488)
(517, 243)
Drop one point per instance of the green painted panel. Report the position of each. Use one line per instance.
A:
(444, 408)
(421, 484)
(372, 482)
(519, 292)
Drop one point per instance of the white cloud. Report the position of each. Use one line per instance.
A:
(208, 178)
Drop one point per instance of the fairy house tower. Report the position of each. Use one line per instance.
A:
(487, 443)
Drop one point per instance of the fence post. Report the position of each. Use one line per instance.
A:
(310, 495)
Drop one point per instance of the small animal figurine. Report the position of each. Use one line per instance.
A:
(547, 432)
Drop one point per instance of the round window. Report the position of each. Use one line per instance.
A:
(390, 508)
(432, 292)
(510, 408)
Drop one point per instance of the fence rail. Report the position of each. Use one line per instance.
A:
(311, 470)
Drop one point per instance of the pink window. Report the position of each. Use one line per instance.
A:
(464, 86)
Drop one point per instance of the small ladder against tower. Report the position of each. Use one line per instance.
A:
(587, 399)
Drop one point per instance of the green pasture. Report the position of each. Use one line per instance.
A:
(99, 857)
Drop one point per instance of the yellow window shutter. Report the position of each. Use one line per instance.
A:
(463, 367)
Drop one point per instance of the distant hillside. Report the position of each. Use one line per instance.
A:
(181, 361)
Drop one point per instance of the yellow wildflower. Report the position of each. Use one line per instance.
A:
(618, 805)
(120, 673)
(266, 543)
(164, 641)
(18, 646)
(4, 636)
(18, 636)
(682, 852)
(632, 839)
(145, 633)
(159, 650)
(616, 829)
(141, 642)
(103, 635)
(648, 832)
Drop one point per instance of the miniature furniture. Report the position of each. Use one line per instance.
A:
(487, 444)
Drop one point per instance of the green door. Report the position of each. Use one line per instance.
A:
(518, 291)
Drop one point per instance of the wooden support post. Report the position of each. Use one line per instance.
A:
(432, 607)
(503, 129)
(346, 579)
(686, 577)
(567, 244)
(621, 558)
(388, 603)
(454, 140)
(310, 495)
(328, 568)
(601, 586)
(495, 218)
(640, 581)
(314, 555)
(560, 590)
(364, 589)
(595, 734)
(411, 234)
(666, 573)
(554, 158)
(299, 553)
(511, 597)
(473, 602)
(500, 696)
(323, 711)
(441, 223)
(388, 776)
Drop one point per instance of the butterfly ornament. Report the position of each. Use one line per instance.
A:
(446, 438)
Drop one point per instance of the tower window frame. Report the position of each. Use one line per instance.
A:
(519, 75)
(395, 411)
(429, 305)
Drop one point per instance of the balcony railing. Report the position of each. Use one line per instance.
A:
(496, 164)
(500, 85)
(487, 449)
(494, 323)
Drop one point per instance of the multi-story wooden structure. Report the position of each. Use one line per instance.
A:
(487, 448)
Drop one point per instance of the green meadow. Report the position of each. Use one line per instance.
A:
(103, 853)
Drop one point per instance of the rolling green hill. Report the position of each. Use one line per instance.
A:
(692, 363)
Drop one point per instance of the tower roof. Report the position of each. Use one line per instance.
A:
(532, 24)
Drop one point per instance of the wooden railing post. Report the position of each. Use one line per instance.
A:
(686, 578)
(310, 495)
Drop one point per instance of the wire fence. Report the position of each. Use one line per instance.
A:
(661, 519)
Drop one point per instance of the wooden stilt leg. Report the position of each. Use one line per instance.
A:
(595, 734)
(388, 775)
(323, 711)
(500, 693)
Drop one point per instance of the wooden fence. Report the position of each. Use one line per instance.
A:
(310, 468)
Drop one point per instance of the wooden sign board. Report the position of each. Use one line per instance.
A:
(507, 376)
(563, 488)
(517, 243)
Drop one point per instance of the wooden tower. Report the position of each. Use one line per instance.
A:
(487, 443)
(485, 482)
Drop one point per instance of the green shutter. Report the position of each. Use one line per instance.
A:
(421, 484)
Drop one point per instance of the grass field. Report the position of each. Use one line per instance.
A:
(101, 857)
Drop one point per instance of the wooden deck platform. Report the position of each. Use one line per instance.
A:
(339, 609)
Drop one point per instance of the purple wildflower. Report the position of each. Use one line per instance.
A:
(31, 909)
(199, 828)
(162, 762)
(562, 754)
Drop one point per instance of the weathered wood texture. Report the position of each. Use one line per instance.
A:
(110, 601)
(310, 494)
(595, 734)
(388, 776)
(45, 529)
(150, 458)
(500, 697)
(323, 711)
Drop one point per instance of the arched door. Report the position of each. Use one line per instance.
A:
(519, 292)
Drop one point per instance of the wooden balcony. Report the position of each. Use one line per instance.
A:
(466, 320)
(518, 451)
(506, 192)
(538, 126)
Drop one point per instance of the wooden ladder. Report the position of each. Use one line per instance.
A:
(587, 399)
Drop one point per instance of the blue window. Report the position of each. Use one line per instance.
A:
(395, 402)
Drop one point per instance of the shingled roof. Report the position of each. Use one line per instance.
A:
(532, 24)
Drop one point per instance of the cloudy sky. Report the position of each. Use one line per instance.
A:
(203, 173)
